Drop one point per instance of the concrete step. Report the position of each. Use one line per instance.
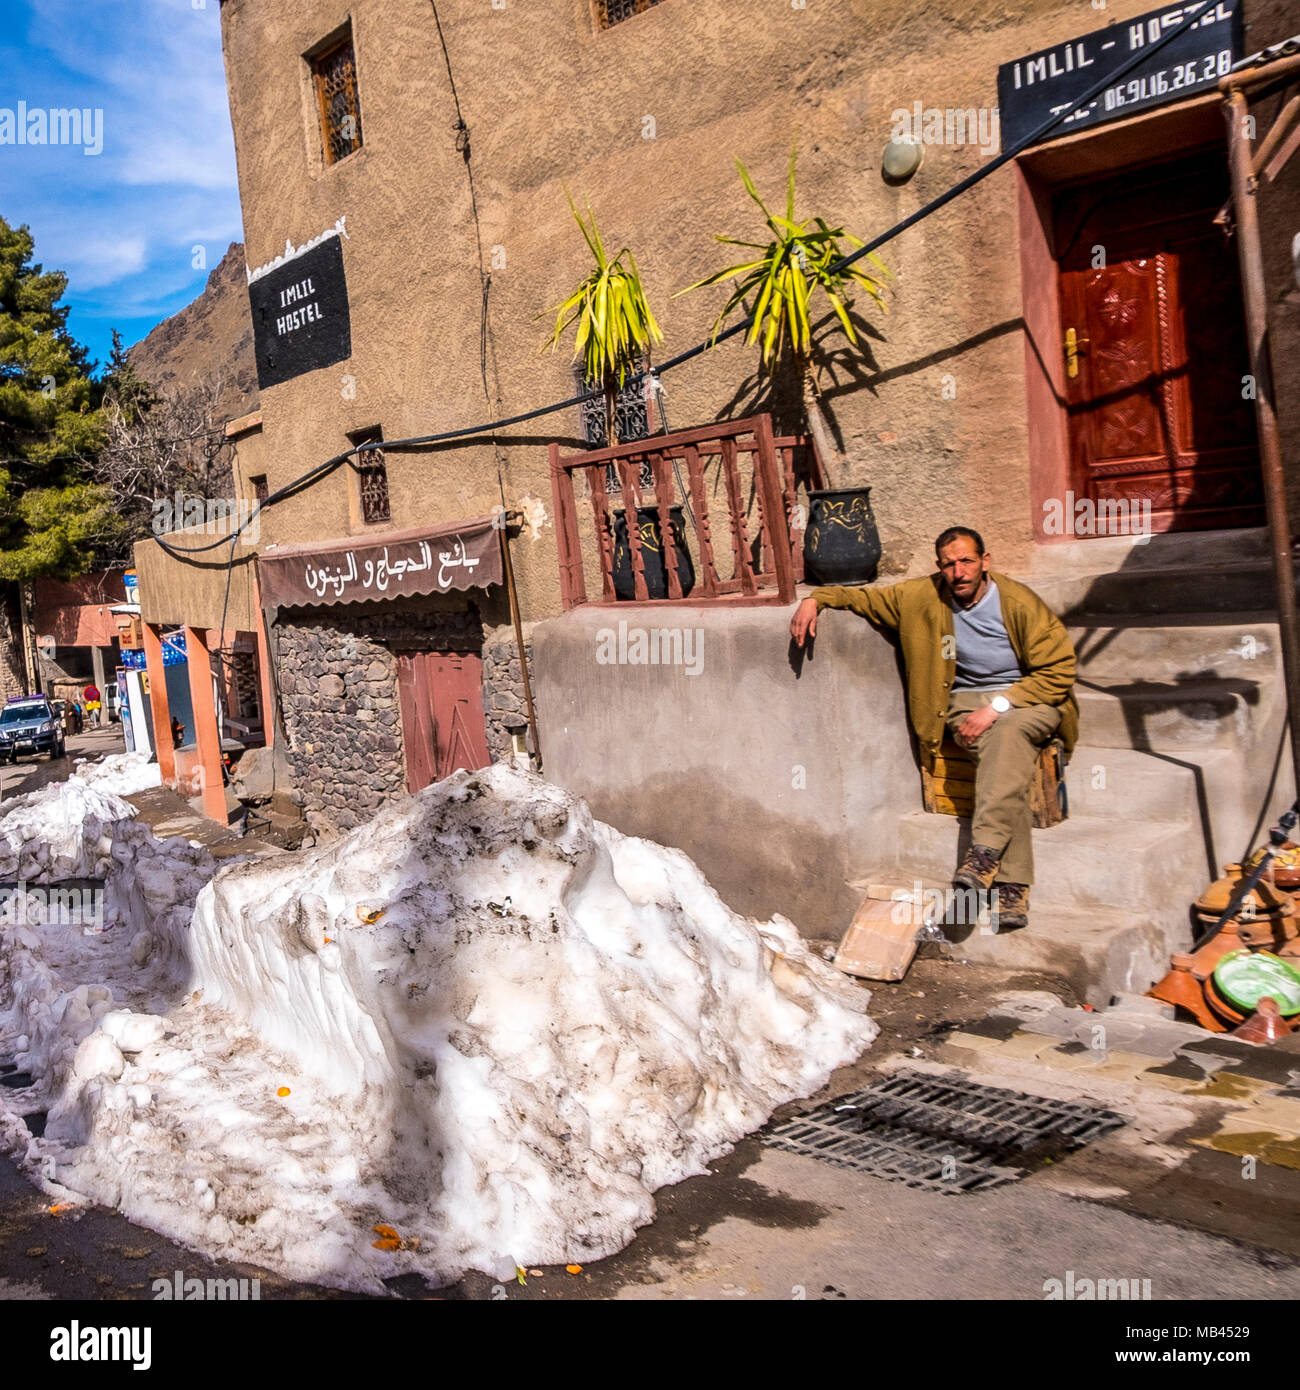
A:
(1237, 586)
(1169, 646)
(1169, 715)
(1086, 861)
(1133, 784)
(1100, 952)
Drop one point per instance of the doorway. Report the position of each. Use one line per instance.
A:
(1156, 365)
(443, 725)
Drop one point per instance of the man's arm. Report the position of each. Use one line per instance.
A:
(879, 605)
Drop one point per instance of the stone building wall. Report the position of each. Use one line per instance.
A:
(504, 705)
(337, 674)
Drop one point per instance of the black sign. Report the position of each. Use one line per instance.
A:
(300, 315)
(1032, 89)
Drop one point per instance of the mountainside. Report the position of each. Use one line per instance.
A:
(210, 337)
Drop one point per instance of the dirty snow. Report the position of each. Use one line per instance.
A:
(121, 774)
(483, 1020)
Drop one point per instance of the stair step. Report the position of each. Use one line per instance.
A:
(1086, 861)
(1193, 713)
(1240, 586)
(1166, 646)
(1134, 784)
(1102, 952)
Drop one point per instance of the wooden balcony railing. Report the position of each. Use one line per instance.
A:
(741, 484)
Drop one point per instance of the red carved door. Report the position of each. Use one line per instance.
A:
(1157, 384)
(443, 728)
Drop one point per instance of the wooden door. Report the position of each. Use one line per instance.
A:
(443, 728)
(1150, 288)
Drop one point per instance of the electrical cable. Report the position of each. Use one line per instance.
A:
(941, 200)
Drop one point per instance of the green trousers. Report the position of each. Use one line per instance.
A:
(1006, 755)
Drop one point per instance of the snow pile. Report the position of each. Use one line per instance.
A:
(483, 1020)
(122, 774)
(64, 830)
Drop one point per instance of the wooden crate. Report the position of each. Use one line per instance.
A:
(950, 788)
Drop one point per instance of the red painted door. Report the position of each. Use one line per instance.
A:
(1151, 293)
(443, 727)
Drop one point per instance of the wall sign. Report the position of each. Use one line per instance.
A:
(300, 315)
(392, 564)
(1043, 84)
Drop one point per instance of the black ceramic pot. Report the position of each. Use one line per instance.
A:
(652, 554)
(841, 544)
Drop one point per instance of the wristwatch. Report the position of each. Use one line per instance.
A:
(1000, 703)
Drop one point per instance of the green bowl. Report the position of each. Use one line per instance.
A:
(1246, 977)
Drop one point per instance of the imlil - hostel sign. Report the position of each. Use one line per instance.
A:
(1044, 84)
(300, 314)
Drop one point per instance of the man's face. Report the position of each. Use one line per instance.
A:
(963, 568)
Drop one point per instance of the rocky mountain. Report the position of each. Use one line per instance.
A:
(212, 337)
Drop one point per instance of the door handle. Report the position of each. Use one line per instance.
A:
(1075, 347)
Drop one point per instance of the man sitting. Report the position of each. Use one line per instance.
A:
(988, 663)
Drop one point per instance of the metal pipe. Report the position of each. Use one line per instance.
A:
(1281, 128)
(1250, 257)
(1254, 77)
(519, 636)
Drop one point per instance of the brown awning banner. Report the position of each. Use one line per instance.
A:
(395, 564)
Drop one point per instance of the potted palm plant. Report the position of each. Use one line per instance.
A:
(615, 331)
(802, 259)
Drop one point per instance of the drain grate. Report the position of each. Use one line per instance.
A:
(942, 1133)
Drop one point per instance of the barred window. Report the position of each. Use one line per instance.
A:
(372, 478)
(610, 12)
(631, 419)
(334, 73)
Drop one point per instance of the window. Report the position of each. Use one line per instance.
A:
(372, 478)
(334, 76)
(258, 483)
(631, 419)
(610, 12)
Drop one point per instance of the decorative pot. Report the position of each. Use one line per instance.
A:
(841, 544)
(1265, 917)
(652, 554)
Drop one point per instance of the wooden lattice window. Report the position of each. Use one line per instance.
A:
(334, 73)
(372, 478)
(610, 12)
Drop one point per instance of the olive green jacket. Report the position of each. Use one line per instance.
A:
(917, 610)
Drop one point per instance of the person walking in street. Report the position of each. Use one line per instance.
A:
(991, 666)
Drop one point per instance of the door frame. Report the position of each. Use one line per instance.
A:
(1124, 146)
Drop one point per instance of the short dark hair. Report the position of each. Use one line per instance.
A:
(954, 533)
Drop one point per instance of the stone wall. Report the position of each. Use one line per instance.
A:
(504, 705)
(337, 675)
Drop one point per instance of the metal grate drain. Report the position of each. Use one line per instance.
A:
(942, 1133)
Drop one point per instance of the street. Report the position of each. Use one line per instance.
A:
(1169, 1199)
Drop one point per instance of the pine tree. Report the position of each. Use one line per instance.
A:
(53, 518)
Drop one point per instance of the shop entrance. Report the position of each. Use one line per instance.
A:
(1157, 392)
(443, 726)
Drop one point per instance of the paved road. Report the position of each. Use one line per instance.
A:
(29, 773)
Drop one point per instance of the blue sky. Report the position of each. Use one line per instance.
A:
(124, 223)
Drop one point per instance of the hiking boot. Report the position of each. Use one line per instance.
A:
(978, 869)
(1012, 907)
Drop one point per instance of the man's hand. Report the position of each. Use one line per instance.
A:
(804, 622)
(975, 723)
